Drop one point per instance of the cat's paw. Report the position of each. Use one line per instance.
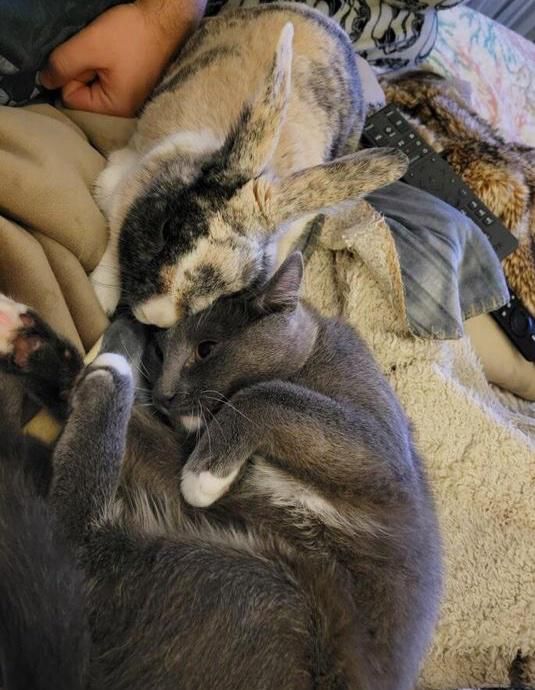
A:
(19, 335)
(201, 489)
(108, 374)
(28, 345)
(110, 364)
(13, 318)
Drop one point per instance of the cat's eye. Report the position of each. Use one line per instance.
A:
(205, 348)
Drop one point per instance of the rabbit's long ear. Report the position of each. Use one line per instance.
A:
(327, 186)
(257, 133)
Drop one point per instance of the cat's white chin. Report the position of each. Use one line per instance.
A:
(204, 488)
(191, 422)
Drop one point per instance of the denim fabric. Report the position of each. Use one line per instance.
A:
(449, 269)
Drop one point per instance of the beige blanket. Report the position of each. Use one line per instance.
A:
(479, 453)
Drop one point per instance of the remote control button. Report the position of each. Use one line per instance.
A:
(472, 204)
(424, 151)
(520, 323)
(401, 143)
(488, 220)
(368, 128)
(389, 130)
(412, 135)
(480, 212)
(377, 137)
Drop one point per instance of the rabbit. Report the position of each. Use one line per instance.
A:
(246, 139)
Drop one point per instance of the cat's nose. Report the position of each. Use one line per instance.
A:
(163, 401)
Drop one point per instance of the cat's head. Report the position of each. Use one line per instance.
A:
(196, 233)
(237, 341)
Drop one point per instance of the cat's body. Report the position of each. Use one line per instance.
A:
(230, 161)
(317, 563)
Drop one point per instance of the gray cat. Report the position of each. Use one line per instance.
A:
(315, 561)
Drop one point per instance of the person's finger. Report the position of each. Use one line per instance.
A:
(68, 61)
(81, 96)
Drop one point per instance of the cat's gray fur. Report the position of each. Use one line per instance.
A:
(317, 566)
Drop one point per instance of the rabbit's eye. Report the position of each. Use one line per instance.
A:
(166, 230)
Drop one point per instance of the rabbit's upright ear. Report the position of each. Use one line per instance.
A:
(257, 133)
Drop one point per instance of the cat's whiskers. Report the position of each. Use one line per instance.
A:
(207, 430)
(214, 417)
(198, 429)
(225, 401)
(101, 283)
(139, 366)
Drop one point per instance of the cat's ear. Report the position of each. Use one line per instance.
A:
(257, 134)
(282, 290)
(328, 186)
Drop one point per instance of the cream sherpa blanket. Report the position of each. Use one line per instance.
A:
(480, 456)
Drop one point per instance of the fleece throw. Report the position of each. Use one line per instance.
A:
(479, 453)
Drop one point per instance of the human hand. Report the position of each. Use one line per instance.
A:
(112, 65)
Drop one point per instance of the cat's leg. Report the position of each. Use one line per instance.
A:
(29, 349)
(87, 458)
(129, 338)
(312, 436)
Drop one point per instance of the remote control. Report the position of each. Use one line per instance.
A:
(430, 172)
(519, 325)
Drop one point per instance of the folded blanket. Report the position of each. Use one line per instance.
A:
(449, 270)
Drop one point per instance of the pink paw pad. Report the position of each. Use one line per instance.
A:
(14, 318)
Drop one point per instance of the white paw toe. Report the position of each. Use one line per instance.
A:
(112, 360)
(203, 489)
(10, 322)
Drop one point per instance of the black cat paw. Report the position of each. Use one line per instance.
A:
(29, 346)
(16, 324)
